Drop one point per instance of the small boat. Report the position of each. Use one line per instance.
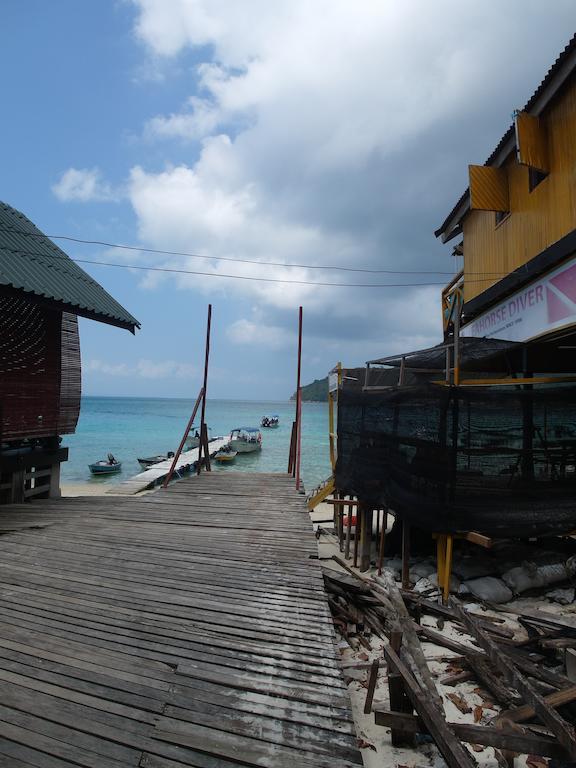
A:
(246, 439)
(192, 441)
(225, 454)
(106, 466)
(151, 460)
(271, 422)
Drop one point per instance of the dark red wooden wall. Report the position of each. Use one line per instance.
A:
(40, 377)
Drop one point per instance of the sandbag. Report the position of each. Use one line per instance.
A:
(490, 589)
(531, 576)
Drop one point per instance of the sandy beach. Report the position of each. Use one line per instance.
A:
(87, 489)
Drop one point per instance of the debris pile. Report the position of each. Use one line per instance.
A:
(524, 672)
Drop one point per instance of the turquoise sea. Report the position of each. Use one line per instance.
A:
(130, 427)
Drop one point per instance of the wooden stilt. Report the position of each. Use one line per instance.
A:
(405, 555)
(340, 519)
(365, 538)
(357, 533)
(399, 701)
(376, 536)
(348, 532)
(447, 569)
(382, 541)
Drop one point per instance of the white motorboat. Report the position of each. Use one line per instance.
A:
(246, 440)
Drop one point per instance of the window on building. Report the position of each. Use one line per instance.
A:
(535, 177)
(501, 215)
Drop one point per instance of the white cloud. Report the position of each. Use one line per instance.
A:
(259, 335)
(84, 185)
(145, 369)
(330, 132)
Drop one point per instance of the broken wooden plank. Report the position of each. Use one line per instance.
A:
(563, 730)
(450, 747)
(500, 738)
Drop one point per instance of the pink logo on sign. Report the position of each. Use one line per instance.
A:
(557, 310)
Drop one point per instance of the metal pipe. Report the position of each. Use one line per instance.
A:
(299, 402)
(204, 388)
(186, 432)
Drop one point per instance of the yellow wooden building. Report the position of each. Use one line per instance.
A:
(516, 223)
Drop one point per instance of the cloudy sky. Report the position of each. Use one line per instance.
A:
(277, 139)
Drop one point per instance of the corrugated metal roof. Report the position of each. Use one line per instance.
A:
(549, 86)
(31, 263)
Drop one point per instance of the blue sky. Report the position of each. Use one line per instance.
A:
(318, 133)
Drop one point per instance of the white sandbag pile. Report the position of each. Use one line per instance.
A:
(488, 588)
(532, 576)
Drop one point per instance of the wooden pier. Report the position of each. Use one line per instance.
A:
(188, 627)
(157, 472)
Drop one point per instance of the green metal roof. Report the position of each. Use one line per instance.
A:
(32, 264)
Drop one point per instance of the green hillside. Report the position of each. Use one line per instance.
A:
(316, 392)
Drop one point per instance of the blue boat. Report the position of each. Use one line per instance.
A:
(106, 467)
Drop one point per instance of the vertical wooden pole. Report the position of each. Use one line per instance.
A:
(457, 344)
(447, 569)
(405, 555)
(399, 701)
(299, 402)
(348, 532)
(382, 541)
(340, 519)
(357, 533)
(205, 389)
(366, 538)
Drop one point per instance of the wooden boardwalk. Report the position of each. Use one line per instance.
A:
(188, 627)
(150, 477)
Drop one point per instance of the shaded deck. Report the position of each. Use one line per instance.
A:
(186, 628)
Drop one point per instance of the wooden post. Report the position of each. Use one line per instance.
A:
(205, 389)
(447, 569)
(348, 531)
(457, 342)
(357, 533)
(340, 519)
(382, 541)
(204, 442)
(372, 679)
(299, 402)
(366, 538)
(399, 701)
(405, 555)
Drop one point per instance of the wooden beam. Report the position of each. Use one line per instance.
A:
(563, 730)
(450, 747)
(372, 679)
(500, 738)
(527, 712)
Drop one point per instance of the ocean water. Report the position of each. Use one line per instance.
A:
(131, 427)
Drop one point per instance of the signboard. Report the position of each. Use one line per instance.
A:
(540, 307)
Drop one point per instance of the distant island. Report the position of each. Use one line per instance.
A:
(317, 392)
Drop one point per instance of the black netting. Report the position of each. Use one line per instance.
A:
(501, 461)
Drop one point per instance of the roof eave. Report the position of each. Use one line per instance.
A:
(557, 76)
(62, 306)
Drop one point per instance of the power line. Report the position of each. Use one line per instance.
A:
(172, 270)
(162, 252)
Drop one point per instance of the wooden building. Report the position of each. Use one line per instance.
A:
(516, 223)
(42, 292)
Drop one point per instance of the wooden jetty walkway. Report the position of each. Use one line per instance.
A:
(157, 472)
(188, 627)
